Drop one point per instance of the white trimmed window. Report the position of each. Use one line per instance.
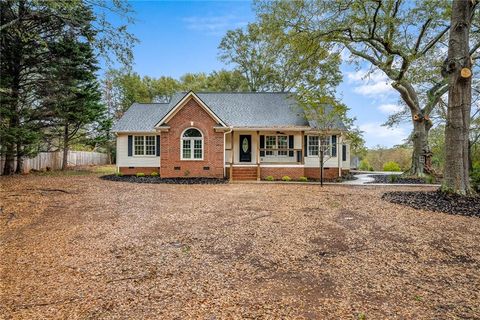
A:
(144, 145)
(314, 145)
(276, 142)
(192, 144)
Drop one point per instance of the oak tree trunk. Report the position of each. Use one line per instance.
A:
(421, 150)
(456, 178)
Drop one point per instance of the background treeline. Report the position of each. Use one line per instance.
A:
(50, 98)
(121, 89)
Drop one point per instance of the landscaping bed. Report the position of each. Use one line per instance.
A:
(436, 201)
(157, 179)
(392, 178)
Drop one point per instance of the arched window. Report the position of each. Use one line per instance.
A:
(192, 144)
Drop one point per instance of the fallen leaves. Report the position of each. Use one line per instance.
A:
(106, 249)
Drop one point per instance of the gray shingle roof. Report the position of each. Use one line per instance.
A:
(141, 117)
(260, 109)
(253, 109)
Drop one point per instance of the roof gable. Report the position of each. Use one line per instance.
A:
(180, 104)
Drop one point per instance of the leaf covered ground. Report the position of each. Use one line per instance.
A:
(79, 247)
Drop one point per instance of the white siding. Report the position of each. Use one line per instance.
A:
(346, 164)
(123, 160)
(331, 162)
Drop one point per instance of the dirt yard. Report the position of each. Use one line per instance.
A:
(79, 247)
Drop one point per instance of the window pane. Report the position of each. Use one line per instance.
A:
(186, 152)
(150, 145)
(282, 144)
(270, 143)
(326, 145)
(197, 153)
(312, 145)
(192, 133)
(139, 146)
(197, 149)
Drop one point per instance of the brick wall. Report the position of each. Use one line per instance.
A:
(278, 173)
(328, 173)
(131, 171)
(213, 148)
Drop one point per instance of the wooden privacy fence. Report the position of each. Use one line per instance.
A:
(53, 160)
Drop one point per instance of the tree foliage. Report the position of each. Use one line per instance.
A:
(404, 40)
(30, 31)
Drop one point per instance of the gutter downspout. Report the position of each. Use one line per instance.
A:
(224, 145)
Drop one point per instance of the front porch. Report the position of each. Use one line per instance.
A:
(255, 155)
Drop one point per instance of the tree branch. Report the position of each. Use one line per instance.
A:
(432, 42)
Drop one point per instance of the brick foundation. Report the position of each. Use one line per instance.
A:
(328, 173)
(191, 115)
(134, 170)
(278, 173)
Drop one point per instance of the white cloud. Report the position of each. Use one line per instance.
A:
(213, 25)
(371, 84)
(390, 108)
(376, 134)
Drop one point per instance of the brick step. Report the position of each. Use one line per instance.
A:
(244, 178)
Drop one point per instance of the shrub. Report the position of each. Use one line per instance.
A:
(303, 179)
(286, 178)
(154, 174)
(430, 179)
(475, 176)
(269, 178)
(391, 166)
(140, 174)
(119, 174)
(365, 165)
(393, 178)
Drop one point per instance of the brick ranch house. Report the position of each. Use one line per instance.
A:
(241, 136)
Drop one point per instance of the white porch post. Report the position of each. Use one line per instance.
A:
(339, 154)
(257, 155)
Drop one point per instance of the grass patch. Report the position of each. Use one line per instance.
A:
(81, 171)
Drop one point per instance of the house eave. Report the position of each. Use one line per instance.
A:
(133, 131)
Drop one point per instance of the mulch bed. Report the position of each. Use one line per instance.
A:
(150, 179)
(385, 178)
(436, 201)
(80, 247)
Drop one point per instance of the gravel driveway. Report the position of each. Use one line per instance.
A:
(80, 247)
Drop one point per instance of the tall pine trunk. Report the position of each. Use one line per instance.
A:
(19, 169)
(65, 148)
(14, 100)
(459, 100)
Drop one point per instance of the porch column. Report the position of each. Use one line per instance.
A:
(232, 156)
(339, 154)
(303, 147)
(257, 155)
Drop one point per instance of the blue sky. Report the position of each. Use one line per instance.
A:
(177, 37)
